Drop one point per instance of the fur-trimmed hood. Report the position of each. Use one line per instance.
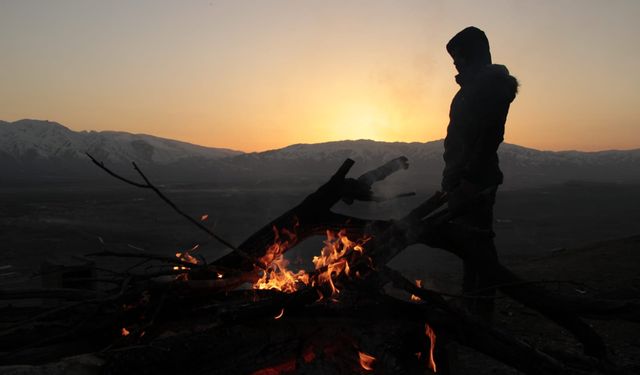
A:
(491, 79)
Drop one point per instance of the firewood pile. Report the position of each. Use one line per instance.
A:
(249, 313)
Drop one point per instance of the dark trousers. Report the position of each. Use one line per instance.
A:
(480, 255)
(470, 236)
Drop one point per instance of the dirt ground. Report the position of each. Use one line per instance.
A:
(541, 234)
(608, 270)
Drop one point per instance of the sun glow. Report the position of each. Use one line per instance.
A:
(362, 122)
(365, 123)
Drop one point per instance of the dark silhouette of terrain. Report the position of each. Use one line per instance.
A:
(40, 152)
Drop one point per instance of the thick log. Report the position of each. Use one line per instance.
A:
(191, 352)
(386, 328)
(313, 216)
(420, 226)
(70, 294)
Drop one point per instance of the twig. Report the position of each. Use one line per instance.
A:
(149, 185)
(53, 293)
(161, 258)
(14, 327)
(526, 282)
(471, 296)
(404, 283)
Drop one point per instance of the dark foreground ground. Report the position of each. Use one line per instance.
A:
(45, 223)
(607, 270)
(579, 232)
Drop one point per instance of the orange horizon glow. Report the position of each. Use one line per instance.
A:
(255, 77)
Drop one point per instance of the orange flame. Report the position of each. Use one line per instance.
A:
(276, 276)
(432, 338)
(124, 332)
(413, 296)
(204, 217)
(332, 257)
(366, 361)
(331, 261)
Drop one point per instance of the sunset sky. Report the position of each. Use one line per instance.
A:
(257, 75)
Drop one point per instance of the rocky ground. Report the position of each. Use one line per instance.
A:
(604, 270)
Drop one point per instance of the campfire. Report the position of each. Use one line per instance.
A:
(331, 268)
(251, 312)
(331, 264)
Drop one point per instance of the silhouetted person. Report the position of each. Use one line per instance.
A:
(471, 174)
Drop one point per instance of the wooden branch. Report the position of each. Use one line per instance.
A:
(360, 189)
(197, 223)
(50, 293)
(128, 254)
(251, 337)
(479, 335)
(423, 223)
(426, 224)
(446, 236)
(64, 309)
(313, 216)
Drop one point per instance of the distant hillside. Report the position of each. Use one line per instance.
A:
(33, 150)
(36, 151)
(33, 139)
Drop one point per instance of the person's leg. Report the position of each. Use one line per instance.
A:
(481, 259)
(477, 278)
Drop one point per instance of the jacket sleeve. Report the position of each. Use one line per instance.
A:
(489, 119)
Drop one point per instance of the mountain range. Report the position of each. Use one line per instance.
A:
(37, 152)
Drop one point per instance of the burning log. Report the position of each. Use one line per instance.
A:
(389, 239)
(313, 215)
(151, 325)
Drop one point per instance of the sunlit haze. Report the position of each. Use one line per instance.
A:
(257, 75)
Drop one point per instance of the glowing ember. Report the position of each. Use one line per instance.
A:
(187, 257)
(204, 217)
(329, 264)
(413, 296)
(309, 355)
(124, 332)
(366, 361)
(432, 339)
(284, 368)
(279, 315)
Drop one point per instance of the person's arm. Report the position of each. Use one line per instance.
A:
(485, 137)
(489, 135)
(495, 92)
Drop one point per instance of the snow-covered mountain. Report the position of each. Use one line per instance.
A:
(522, 166)
(34, 139)
(32, 150)
(365, 150)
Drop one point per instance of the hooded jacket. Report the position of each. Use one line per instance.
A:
(477, 116)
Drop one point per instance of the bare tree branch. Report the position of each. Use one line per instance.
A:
(197, 223)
